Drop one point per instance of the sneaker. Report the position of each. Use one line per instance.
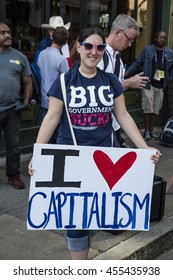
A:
(16, 182)
(153, 135)
(147, 136)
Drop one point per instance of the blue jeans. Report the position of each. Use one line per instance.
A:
(10, 123)
(79, 240)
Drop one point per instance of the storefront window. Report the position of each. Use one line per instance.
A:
(144, 12)
(69, 10)
(26, 16)
(102, 11)
(82, 14)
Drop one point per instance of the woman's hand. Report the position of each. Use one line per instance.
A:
(30, 169)
(155, 157)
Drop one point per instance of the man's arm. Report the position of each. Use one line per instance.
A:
(132, 79)
(27, 84)
(27, 88)
(137, 81)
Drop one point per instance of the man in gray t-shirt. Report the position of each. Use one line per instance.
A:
(14, 69)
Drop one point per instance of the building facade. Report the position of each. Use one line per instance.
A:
(26, 16)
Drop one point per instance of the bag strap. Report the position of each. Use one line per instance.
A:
(105, 60)
(63, 87)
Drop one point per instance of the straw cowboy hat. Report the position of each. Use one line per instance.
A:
(55, 22)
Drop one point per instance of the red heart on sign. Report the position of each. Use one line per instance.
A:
(111, 172)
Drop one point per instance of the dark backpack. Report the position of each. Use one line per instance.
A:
(166, 136)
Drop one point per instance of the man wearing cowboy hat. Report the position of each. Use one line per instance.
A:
(54, 22)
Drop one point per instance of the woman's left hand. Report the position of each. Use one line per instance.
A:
(155, 157)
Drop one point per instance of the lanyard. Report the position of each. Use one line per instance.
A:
(163, 57)
(122, 69)
(111, 59)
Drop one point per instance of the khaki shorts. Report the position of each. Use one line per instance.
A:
(152, 100)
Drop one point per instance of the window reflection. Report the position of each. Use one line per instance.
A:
(26, 16)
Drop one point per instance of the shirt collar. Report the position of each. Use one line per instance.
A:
(111, 51)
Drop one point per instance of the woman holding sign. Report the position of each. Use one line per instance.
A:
(91, 96)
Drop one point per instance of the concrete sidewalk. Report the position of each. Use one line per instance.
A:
(17, 243)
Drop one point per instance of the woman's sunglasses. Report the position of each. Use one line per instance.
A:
(89, 47)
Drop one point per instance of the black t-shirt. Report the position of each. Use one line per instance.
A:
(158, 62)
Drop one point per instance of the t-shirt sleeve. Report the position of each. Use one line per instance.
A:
(26, 70)
(55, 89)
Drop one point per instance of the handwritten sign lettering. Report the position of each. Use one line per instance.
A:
(77, 187)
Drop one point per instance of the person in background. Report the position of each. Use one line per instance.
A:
(54, 22)
(14, 68)
(82, 82)
(51, 64)
(123, 33)
(156, 61)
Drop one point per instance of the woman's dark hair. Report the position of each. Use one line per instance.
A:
(85, 33)
(74, 55)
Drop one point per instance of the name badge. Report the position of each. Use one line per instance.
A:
(159, 74)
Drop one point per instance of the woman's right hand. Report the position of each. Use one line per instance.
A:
(30, 169)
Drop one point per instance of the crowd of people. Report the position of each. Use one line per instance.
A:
(86, 69)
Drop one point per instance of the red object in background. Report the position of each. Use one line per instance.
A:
(69, 62)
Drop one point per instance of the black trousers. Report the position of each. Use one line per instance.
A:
(10, 124)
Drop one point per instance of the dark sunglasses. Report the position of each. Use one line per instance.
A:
(89, 46)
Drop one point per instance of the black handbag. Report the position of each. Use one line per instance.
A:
(158, 199)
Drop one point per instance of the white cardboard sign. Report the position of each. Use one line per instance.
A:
(77, 187)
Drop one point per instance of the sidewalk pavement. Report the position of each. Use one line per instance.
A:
(18, 243)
